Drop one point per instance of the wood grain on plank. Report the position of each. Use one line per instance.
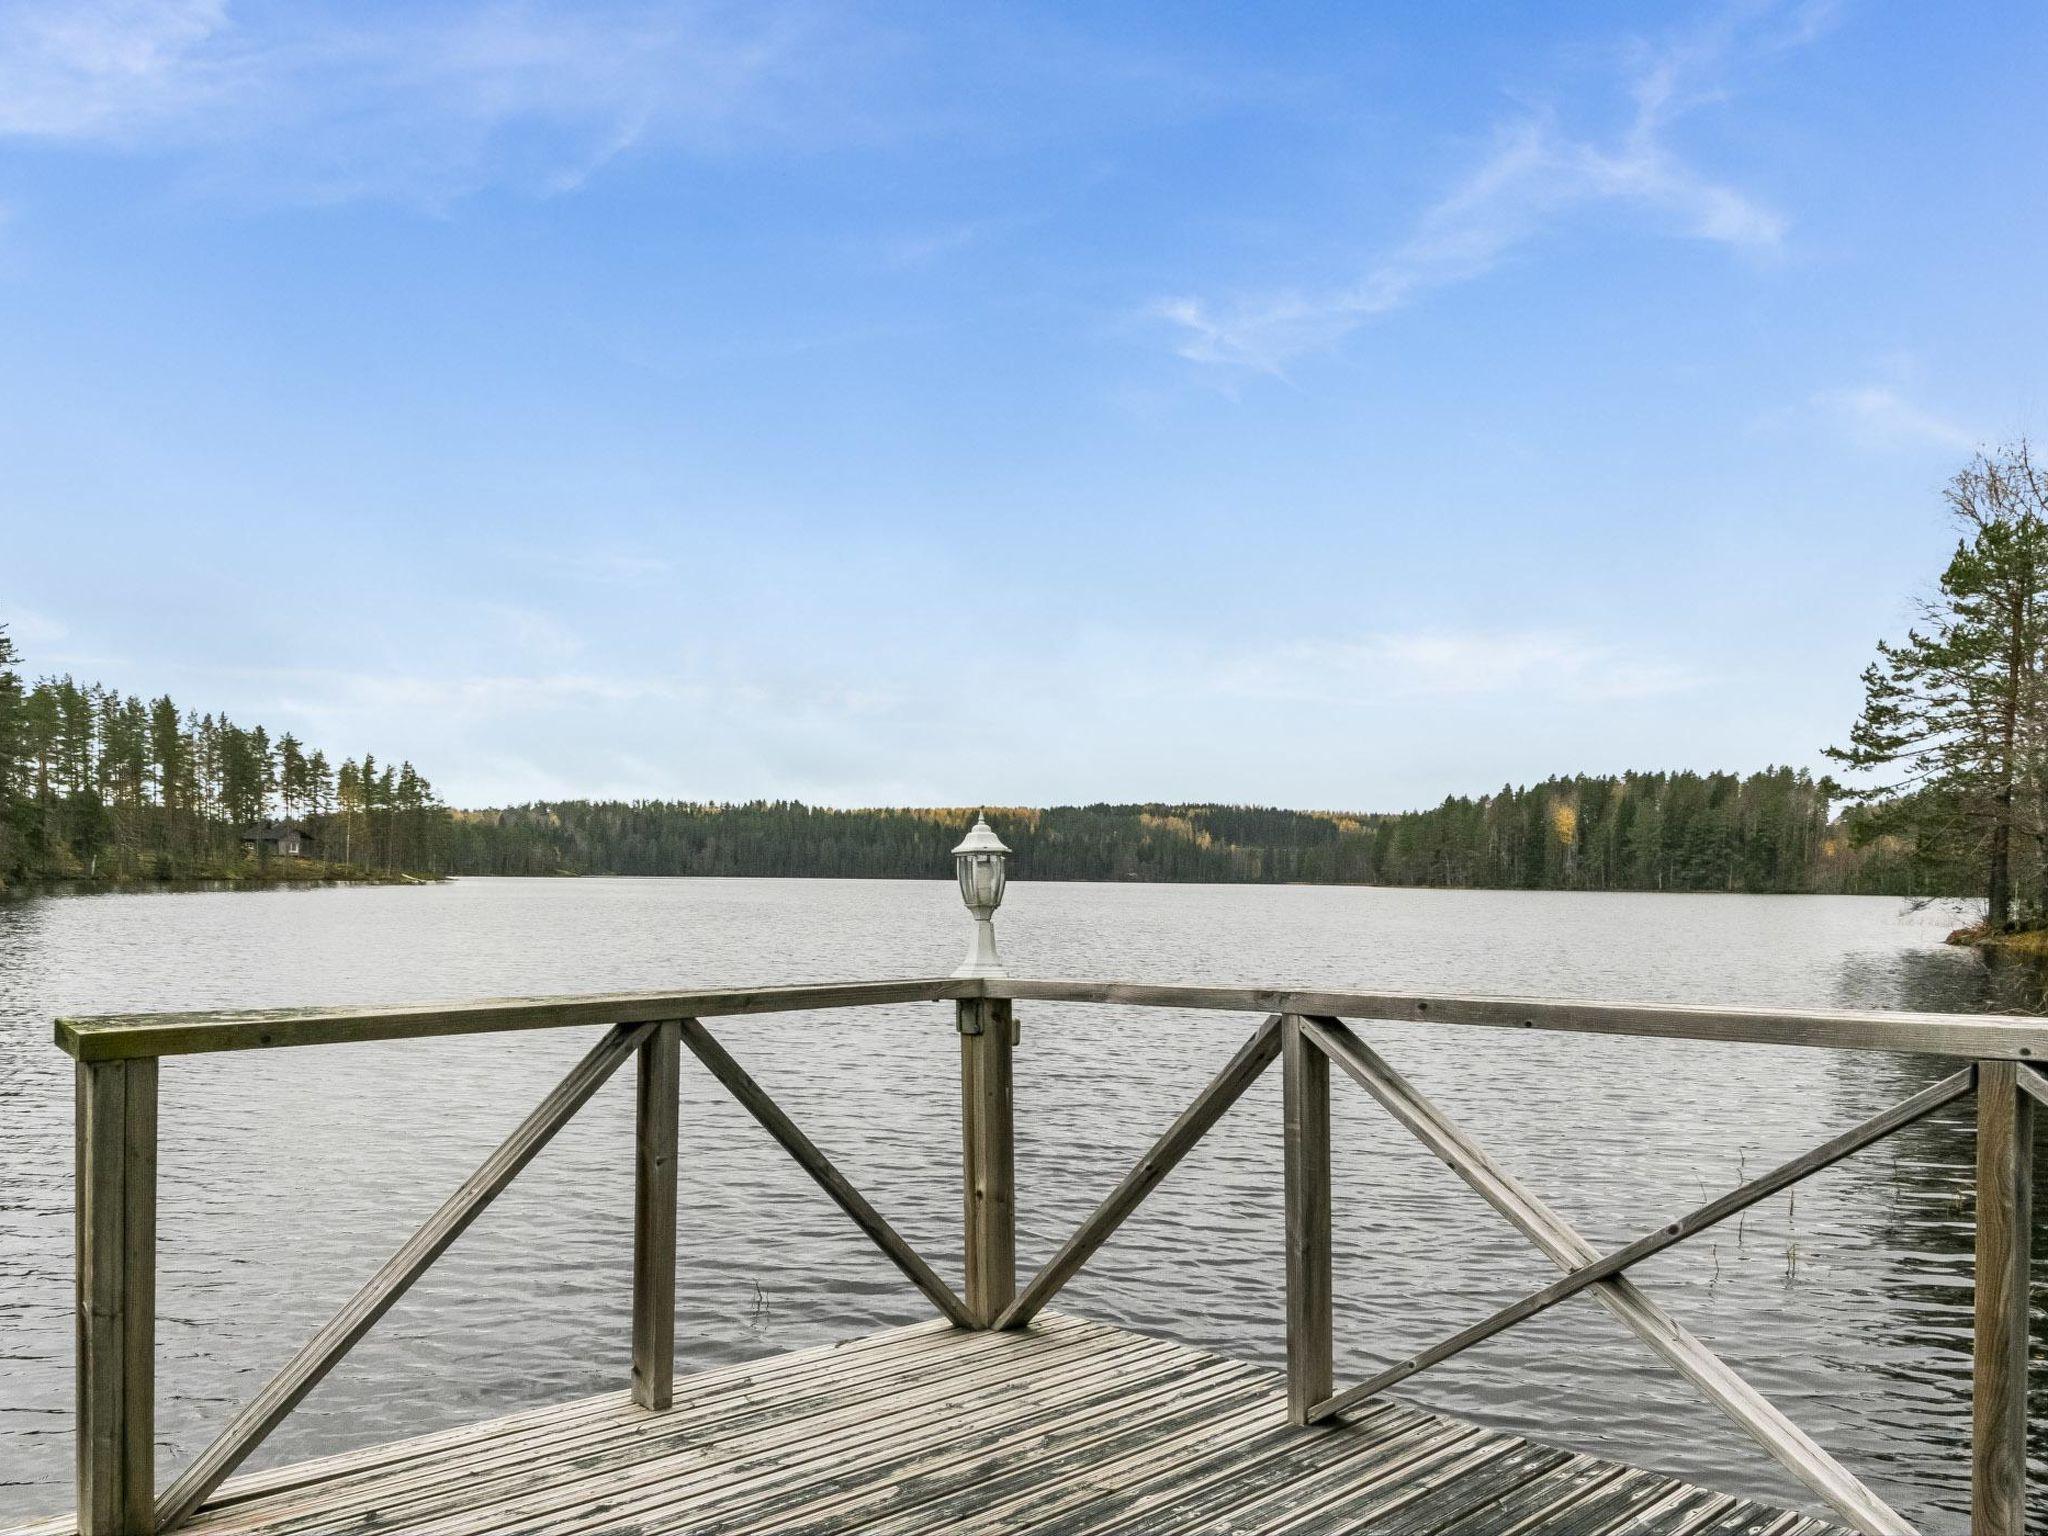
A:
(1066, 1428)
(760, 1413)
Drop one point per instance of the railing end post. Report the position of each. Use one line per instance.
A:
(1311, 1369)
(115, 1139)
(1998, 1438)
(988, 1145)
(654, 1216)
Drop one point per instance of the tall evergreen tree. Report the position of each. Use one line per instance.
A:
(13, 751)
(96, 782)
(1952, 715)
(292, 788)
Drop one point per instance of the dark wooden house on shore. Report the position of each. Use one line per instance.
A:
(289, 839)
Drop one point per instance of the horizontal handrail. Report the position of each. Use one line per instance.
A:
(1979, 1037)
(1986, 1036)
(126, 1036)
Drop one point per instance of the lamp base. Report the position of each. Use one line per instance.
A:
(982, 959)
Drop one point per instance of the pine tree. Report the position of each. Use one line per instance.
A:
(1952, 715)
(320, 785)
(13, 751)
(348, 798)
(291, 775)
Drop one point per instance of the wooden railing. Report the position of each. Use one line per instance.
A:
(116, 1141)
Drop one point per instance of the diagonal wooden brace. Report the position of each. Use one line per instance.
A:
(1785, 1442)
(324, 1350)
(754, 1099)
(1690, 1225)
(1178, 1140)
(2030, 1082)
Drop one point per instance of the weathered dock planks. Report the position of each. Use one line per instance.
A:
(1067, 1428)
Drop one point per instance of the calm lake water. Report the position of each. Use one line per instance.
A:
(288, 1176)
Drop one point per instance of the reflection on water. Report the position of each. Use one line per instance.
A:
(287, 1176)
(1946, 980)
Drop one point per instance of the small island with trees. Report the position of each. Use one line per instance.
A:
(104, 789)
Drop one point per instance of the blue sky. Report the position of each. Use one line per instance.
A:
(1316, 404)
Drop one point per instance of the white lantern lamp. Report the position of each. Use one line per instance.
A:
(980, 858)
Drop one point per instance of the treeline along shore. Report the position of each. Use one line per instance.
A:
(104, 787)
(1768, 831)
(101, 787)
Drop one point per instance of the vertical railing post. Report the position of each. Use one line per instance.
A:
(115, 1136)
(988, 1137)
(1310, 1367)
(654, 1217)
(2005, 1158)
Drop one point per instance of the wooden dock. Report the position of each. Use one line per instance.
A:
(1001, 1415)
(1068, 1428)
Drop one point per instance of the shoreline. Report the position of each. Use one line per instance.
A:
(2034, 941)
(2018, 941)
(214, 880)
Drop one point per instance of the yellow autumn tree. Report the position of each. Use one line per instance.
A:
(1564, 822)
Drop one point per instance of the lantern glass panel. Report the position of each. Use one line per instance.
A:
(981, 879)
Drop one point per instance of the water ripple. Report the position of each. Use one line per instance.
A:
(288, 1176)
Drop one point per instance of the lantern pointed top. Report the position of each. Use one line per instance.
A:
(981, 838)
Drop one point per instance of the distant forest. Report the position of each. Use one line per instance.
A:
(1769, 831)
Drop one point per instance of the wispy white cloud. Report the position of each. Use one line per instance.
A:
(920, 248)
(324, 105)
(1395, 667)
(1454, 664)
(526, 631)
(1878, 416)
(1534, 174)
(542, 690)
(99, 69)
(619, 567)
(481, 693)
